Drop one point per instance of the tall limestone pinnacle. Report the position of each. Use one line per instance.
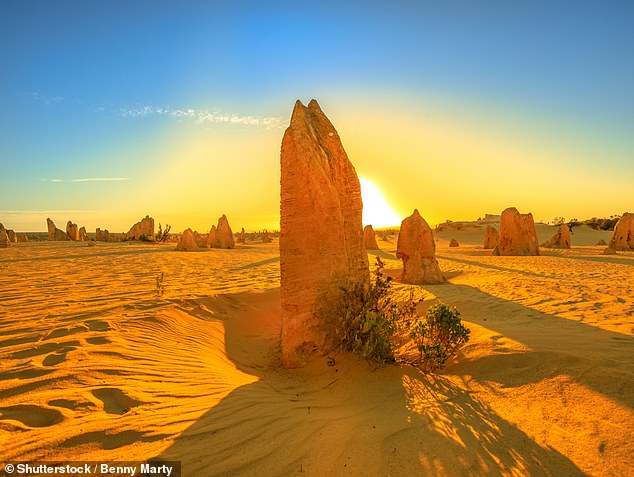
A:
(321, 233)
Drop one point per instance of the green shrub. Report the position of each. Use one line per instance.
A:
(439, 336)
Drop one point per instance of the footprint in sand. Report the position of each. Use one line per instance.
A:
(70, 404)
(114, 400)
(31, 415)
(59, 332)
(45, 349)
(54, 359)
(97, 340)
(97, 325)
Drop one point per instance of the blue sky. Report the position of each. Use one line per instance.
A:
(123, 90)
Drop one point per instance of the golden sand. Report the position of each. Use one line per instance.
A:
(102, 359)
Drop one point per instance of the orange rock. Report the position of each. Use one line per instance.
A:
(83, 236)
(224, 235)
(517, 234)
(609, 251)
(321, 233)
(72, 231)
(143, 229)
(417, 249)
(55, 234)
(187, 242)
(454, 243)
(211, 237)
(623, 236)
(561, 239)
(4, 238)
(241, 236)
(201, 240)
(22, 238)
(491, 237)
(369, 239)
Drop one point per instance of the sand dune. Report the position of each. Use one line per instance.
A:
(101, 358)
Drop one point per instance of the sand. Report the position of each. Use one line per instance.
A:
(102, 359)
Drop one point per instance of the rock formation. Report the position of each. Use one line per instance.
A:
(454, 243)
(72, 231)
(201, 240)
(143, 230)
(83, 236)
(623, 236)
(602, 242)
(321, 233)
(369, 239)
(561, 239)
(98, 235)
(187, 242)
(22, 238)
(241, 236)
(13, 238)
(609, 251)
(211, 236)
(491, 237)
(55, 234)
(4, 238)
(224, 235)
(517, 234)
(417, 248)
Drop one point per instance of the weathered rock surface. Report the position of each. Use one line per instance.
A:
(321, 233)
(491, 237)
(187, 242)
(369, 238)
(200, 239)
(561, 239)
(417, 248)
(623, 236)
(98, 235)
(55, 234)
(142, 230)
(211, 236)
(517, 234)
(454, 243)
(13, 238)
(224, 235)
(4, 238)
(72, 231)
(83, 236)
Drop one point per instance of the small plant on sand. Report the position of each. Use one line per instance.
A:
(368, 317)
(160, 287)
(163, 235)
(439, 336)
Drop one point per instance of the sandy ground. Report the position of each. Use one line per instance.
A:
(101, 359)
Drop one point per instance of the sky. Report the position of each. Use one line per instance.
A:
(113, 110)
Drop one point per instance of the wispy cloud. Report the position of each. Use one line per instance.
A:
(43, 99)
(100, 179)
(89, 179)
(203, 116)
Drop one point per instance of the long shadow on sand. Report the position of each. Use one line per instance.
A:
(350, 420)
(493, 267)
(598, 359)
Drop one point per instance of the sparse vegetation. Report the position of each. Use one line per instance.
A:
(439, 336)
(160, 287)
(163, 235)
(368, 318)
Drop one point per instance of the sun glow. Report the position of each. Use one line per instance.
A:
(376, 210)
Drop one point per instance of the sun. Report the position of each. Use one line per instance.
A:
(376, 210)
